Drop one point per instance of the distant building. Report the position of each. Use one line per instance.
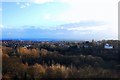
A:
(108, 46)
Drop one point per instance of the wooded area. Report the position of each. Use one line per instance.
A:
(35, 60)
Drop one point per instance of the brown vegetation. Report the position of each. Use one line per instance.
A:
(41, 60)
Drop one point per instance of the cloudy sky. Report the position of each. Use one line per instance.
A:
(60, 19)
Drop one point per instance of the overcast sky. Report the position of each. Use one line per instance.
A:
(64, 19)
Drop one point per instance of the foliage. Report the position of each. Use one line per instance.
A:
(59, 60)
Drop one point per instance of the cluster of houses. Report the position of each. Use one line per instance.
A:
(86, 44)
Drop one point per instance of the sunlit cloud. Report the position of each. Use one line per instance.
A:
(18, 3)
(1, 26)
(27, 4)
(94, 28)
(41, 1)
(23, 4)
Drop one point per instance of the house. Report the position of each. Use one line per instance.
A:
(108, 46)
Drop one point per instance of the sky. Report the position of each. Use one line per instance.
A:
(59, 19)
